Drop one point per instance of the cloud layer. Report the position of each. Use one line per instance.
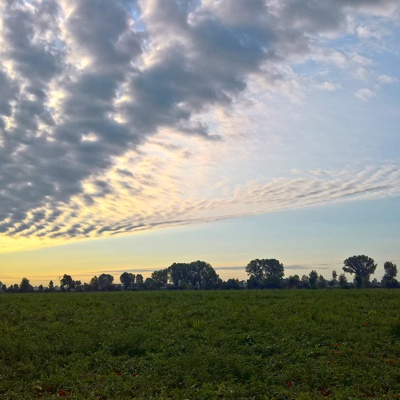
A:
(98, 97)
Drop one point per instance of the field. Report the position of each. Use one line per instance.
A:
(337, 344)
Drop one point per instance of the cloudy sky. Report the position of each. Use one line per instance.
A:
(137, 133)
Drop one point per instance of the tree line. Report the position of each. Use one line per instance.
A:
(262, 274)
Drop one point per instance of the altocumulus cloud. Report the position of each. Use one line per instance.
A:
(92, 91)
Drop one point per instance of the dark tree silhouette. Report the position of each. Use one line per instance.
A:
(362, 267)
(390, 270)
(266, 273)
(293, 282)
(343, 281)
(305, 282)
(149, 284)
(389, 280)
(195, 275)
(160, 277)
(139, 281)
(25, 286)
(231, 284)
(105, 282)
(127, 280)
(312, 278)
(94, 284)
(67, 283)
(321, 282)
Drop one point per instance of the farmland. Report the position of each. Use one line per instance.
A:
(271, 344)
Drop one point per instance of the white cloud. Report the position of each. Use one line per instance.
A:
(365, 94)
(386, 79)
(366, 32)
(85, 97)
(327, 85)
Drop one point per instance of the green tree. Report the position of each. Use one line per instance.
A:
(51, 286)
(362, 267)
(25, 286)
(266, 273)
(312, 278)
(4, 288)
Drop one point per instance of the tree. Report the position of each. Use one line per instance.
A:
(343, 281)
(67, 283)
(139, 281)
(305, 282)
(266, 273)
(293, 282)
(4, 288)
(194, 275)
(127, 280)
(79, 287)
(25, 286)
(203, 275)
(178, 272)
(390, 270)
(51, 286)
(105, 282)
(149, 284)
(312, 278)
(1, 286)
(231, 284)
(321, 282)
(389, 280)
(94, 284)
(361, 266)
(160, 277)
(334, 279)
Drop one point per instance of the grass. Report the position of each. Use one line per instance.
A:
(201, 345)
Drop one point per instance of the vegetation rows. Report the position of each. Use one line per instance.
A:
(269, 344)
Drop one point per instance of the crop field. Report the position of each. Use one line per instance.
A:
(336, 344)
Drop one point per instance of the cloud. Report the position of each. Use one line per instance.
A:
(365, 94)
(327, 85)
(87, 84)
(386, 79)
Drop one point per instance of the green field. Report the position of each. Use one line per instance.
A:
(201, 345)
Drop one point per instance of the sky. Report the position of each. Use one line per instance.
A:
(135, 134)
